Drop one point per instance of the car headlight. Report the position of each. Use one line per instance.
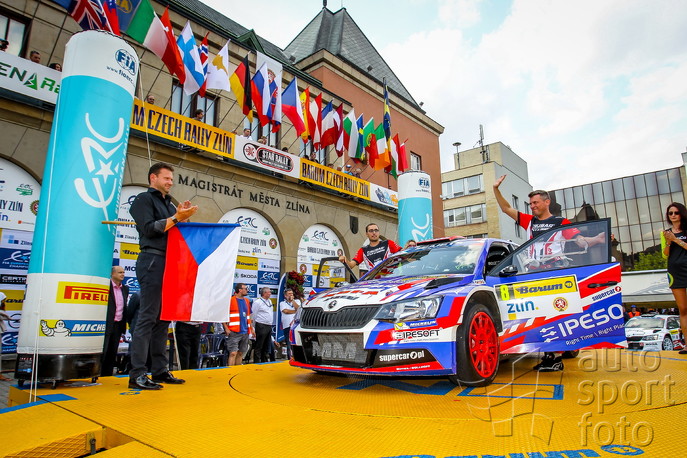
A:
(410, 310)
(651, 337)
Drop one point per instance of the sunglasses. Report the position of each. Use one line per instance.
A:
(673, 213)
(373, 230)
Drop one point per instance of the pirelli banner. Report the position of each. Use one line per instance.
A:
(188, 132)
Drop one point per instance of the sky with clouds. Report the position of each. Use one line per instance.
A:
(583, 91)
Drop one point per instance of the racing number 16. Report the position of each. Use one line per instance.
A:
(505, 295)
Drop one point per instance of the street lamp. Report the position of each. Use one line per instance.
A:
(457, 160)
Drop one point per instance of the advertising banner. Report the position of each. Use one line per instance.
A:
(266, 157)
(414, 207)
(258, 237)
(29, 78)
(19, 193)
(317, 242)
(67, 288)
(166, 124)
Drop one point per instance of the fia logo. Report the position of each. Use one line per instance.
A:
(423, 182)
(126, 60)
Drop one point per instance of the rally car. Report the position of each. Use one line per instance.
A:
(653, 332)
(452, 306)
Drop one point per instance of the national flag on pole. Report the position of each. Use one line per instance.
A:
(90, 14)
(110, 9)
(382, 151)
(156, 34)
(351, 136)
(329, 127)
(125, 13)
(240, 86)
(370, 142)
(387, 115)
(402, 158)
(315, 121)
(305, 104)
(203, 53)
(191, 59)
(199, 272)
(276, 107)
(261, 94)
(291, 106)
(393, 153)
(218, 70)
(339, 145)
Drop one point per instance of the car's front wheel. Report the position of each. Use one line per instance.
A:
(667, 343)
(477, 348)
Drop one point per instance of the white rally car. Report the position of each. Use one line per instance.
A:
(653, 332)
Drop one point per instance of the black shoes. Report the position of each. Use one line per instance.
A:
(167, 377)
(142, 382)
(550, 363)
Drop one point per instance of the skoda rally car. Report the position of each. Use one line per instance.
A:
(452, 306)
(653, 332)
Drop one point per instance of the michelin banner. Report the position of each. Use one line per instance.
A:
(414, 207)
(67, 286)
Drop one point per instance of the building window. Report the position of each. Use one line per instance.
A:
(186, 105)
(465, 215)
(14, 31)
(415, 162)
(516, 204)
(463, 187)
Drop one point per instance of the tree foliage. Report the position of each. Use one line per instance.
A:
(650, 261)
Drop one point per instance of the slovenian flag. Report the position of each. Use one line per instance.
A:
(199, 272)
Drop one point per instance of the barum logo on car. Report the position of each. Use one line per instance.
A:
(537, 288)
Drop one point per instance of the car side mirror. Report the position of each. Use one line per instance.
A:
(508, 271)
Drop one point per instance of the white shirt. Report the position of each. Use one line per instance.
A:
(263, 311)
(287, 318)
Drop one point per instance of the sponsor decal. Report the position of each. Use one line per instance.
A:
(250, 152)
(394, 358)
(25, 189)
(513, 308)
(586, 322)
(247, 263)
(71, 328)
(560, 304)
(130, 251)
(13, 279)
(605, 294)
(81, 293)
(415, 334)
(275, 160)
(535, 288)
(14, 259)
(268, 278)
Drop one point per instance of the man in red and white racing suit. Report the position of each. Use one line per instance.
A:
(549, 253)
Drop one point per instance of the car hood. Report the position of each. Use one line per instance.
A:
(387, 290)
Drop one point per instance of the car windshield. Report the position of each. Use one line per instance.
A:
(645, 322)
(452, 258)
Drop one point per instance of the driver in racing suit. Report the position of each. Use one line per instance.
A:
(541, 220)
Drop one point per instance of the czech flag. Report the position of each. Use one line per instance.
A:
(199, 272)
